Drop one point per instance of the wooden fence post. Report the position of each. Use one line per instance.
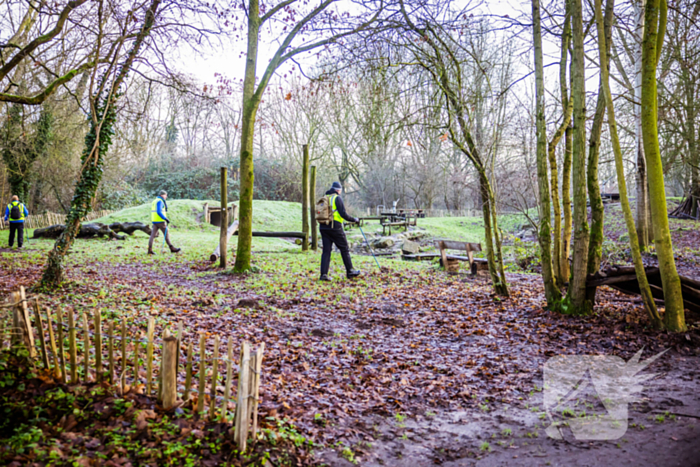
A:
(86, 347)
(255, 369)
(214, 378)
(149, 356)
(56, 366)
(40, 334)
(98, 346)
(137, 344)
(22, 324)
(312, 209)
(223, 236)
(188, 373)
(110, 351)
(71, 348)
(168, 372)
(229, 377)
(202, 373)
(123, 358)
(305, 198)
(240, 435)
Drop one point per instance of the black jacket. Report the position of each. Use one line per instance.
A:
(340, 207)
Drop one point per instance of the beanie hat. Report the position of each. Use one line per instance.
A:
(336, 186)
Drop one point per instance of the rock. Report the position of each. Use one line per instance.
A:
(247, 303)
(410, 248)
(384, 242)
(416, 235)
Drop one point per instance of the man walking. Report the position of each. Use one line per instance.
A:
(159, 218)
(16, 212)
(333, 233)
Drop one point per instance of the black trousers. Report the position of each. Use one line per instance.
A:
(19, 228)
(335, 237)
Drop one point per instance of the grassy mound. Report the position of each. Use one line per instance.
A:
(187, 214)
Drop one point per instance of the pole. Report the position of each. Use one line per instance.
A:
(370, 246)
(312, 209)
(305, 198)
(223, 237)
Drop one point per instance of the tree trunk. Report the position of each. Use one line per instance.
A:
(495, 270)
(250, 107)
(97, 142)
(603, 49)
(305, 198)
(642, 207)
(312, 210)
(551, 291)
(223, 235)
(654, 30)
(576, 297)
(595, 247)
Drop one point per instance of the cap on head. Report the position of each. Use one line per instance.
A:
(163, 193)
(336, 186)
(15, 198)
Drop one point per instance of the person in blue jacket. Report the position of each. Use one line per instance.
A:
(160, 221)
(16, 213)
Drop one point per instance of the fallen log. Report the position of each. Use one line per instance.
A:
(278, 234)
(217, 253)
(623, 279)
(130, 227)
(86, 231)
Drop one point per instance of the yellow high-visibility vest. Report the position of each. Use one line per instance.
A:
(154, 210)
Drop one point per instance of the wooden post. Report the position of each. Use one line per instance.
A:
(229, 377)
(214, 378)
(240, 435)
(305, 198)
(202, 373)
(168, 372)
(188, 373)
(52, 341)
(61, 355)
(149, 356)
(229, 233)
(98, 346)
(123, 359)
(110, 351)
(40, 334)
(72, 350)
(25, 324)
(312, 209)
(223, 236)
(255, 369)
(86, 347)
(137, 344)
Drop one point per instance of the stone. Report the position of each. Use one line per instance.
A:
(410, 248)
(384, 242)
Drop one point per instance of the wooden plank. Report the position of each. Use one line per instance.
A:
(27, 329)
(240, 435)
(123, 357)
(40, 334)
(460, 245)
(256, 387)
(137, 344)
(214, 380)
(443, 253)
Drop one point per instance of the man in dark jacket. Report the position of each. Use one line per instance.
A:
(16, 213)
(334, 233)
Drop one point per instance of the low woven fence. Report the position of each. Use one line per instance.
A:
(39, 221)
(78, 348)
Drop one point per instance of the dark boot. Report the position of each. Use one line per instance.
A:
(150, 252)
(174, 250)
(353, 273)
(325, 278)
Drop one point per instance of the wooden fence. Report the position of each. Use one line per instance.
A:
(39, 221)
(108, 357)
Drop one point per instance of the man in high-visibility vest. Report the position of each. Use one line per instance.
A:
(16, 213)
(160, 221)
(334, 233)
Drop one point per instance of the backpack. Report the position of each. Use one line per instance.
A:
(15, 213)
(324, 210)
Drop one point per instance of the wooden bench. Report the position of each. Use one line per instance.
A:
(474, 263)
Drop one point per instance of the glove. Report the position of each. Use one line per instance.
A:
(167, 221)
(357, 220)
